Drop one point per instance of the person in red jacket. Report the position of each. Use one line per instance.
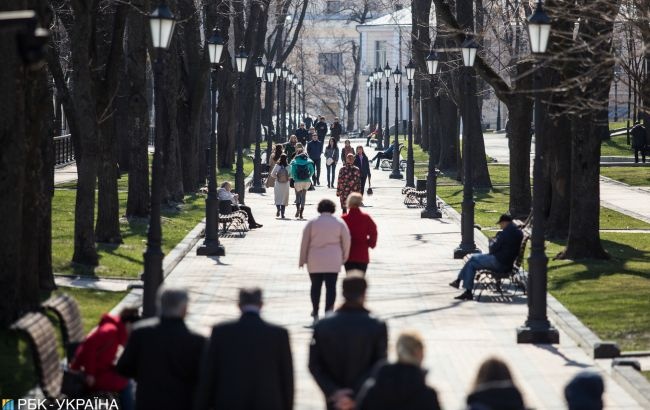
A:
(96, 356)
(363, 232)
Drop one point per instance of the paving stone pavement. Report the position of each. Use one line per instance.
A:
(408, 278)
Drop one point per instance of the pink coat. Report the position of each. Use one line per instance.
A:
(325, 244)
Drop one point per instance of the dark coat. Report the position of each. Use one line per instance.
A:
(397, 386)
(506, 245)
(321, 129)
(639, 137)
(364, 166)
(302, 134)
(345, 348)
(496, 396)
(314, 150)
(247, 366)
(163, 356)
(336, 130)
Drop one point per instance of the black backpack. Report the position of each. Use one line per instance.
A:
(302, 171)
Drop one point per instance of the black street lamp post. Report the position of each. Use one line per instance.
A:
(301, 108)
(410, 162)
(257, 186)
(371, 77)
(285, 75)
(270, 77)
(211, 245)
(467, 244)
(387, 74)
(278, 111)
(289, 107)
(368, 100)
(379, 74)
(395, 173)
(295, 103)
(161, 22)
(617, 77)
(432, 211)
(537, 328)
(240, 61)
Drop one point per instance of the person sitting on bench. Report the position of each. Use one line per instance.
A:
(224, 194)
(372, 135)
(385, 154)
(504, 250)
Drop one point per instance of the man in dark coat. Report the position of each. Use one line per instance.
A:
(308, 122)
(321, 129)
(346, 346)
(302, 134)
(314, 151)
(336, 130)
(504, 250)
(247, 364)
(162, 355)
(639, 141)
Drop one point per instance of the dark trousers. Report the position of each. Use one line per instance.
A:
(316, 177)
(381, 155)
(636, 154)
(331, 174)
(363, 183)
(247, 210)
(317, 280)
(356, 266)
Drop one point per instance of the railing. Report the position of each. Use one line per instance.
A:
(63, 150)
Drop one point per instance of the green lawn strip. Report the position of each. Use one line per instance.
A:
(646, 374)
(635, 176)
(18, 374)
(618, 125)
(616, 147)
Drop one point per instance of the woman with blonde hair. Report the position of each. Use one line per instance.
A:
(291, 146)
(400, 385)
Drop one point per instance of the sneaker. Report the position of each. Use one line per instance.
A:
(467, 295)
(455, 284)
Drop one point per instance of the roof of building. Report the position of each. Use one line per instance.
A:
(397, 18)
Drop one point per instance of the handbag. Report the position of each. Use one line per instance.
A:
(369, 190)
(329, 161)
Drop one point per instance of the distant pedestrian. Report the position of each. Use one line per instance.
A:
(347, 149)
(346, 346)
(163, 356)
(224, 193)
(301, 170)
(494, 388)
(363, 232)
(385, 154)
(275, 157)
(401, 385)
(585, 391)
(361, 161)
(308, 122)
(349, 181)
(97, 354)
(247, 363)
(290, 147)
(331, 159)
(324, 248)
(321, 129)
(336, 129)
(280, 174)
(315, 150)
(639, 141)
(302, 134)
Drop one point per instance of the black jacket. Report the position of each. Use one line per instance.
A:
(247, 365)
(336, 131)
(639, 137)
(345, 348)
(496, 396)
(321, 129)
(397, 386)
(365, 167)
(302, 134)
(506, 245)
(314, 150)
(163, 356)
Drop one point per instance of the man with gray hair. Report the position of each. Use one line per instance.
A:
(247, 363)
(163, 355)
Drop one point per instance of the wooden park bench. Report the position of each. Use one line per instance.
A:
(66, 309)
(517, 276)
(232, 220)
(386, 164)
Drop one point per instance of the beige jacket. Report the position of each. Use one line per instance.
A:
(325, 244)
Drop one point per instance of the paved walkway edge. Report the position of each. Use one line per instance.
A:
(634, 383)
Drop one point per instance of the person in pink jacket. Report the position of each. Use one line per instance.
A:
(325, 247)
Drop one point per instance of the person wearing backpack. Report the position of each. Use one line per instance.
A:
(301, 171)
(280, 174)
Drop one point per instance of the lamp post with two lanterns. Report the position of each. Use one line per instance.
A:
(387, 74)
(257, 163)
(241, 59)
(211, 245)
(410, 162)
(161, 23)
(379, 74)
(395, 173)
(431, 210)
(537, 328)
(270, 77)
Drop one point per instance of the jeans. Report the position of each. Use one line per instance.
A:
(381, 155)
(127, 400)
(476, 262)
(331, 174)
(316, 177)
(317, 280)
(301, 197)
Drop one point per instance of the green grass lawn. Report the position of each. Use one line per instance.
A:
(646, 374)
(619, 124)
(18, 374)
(616, 147)
(636, 176)
(605, 295)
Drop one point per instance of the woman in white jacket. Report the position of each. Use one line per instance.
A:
(280, 174)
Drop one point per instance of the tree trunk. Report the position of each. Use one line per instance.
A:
(448, 121)
(352, 102)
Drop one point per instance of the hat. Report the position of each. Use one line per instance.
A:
(504, 218)
(585, 391)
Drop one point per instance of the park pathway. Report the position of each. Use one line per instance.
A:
(407, 287)
(626, 199)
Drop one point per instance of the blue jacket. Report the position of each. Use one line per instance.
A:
(314, 149)
(506, 244)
